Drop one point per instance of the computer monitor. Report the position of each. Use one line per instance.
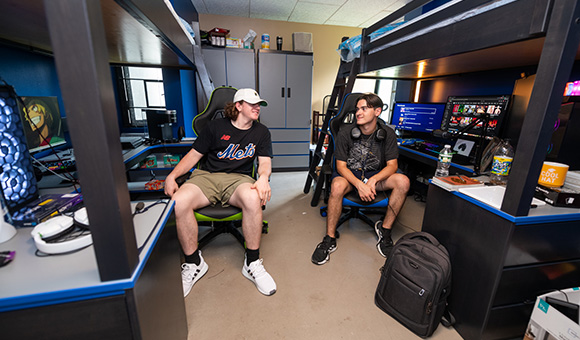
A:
(42, 123)
(417, 117)
(460, 111)
(159, 124)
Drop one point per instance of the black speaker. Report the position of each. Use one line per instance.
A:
(565, 140)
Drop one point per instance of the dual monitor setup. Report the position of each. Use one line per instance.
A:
(470, 118)
(456, 114)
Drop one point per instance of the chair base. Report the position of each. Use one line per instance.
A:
(360, 213)
(226, 227)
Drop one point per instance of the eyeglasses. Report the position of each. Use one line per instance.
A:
(363, 108)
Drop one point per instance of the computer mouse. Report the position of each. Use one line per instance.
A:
(81, 217)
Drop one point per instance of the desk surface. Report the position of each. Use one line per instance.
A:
(432, 160)
(30, 281)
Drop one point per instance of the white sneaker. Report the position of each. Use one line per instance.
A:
(256, 273)
(190, 274)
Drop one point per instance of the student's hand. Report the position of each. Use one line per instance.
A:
(264, 190)
(170, 186)
(365, 192)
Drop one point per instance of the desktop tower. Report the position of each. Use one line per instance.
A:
(17, 180)
(565, 140)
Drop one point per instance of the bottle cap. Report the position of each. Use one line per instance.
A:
(447, 145)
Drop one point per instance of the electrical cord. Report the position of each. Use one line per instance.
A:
(144, 209)
(44, 167)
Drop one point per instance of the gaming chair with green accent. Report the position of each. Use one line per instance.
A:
(221, 219)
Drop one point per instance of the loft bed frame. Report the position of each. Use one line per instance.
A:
(513, 33)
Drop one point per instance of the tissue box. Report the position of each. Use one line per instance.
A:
(234, 43)
(553, 320)
(302, 42)
(558, 197)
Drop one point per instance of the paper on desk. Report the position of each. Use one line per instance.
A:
(492, 195)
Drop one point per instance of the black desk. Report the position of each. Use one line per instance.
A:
(420, 167)
(501, 263)
(137, 177)
(429, 161)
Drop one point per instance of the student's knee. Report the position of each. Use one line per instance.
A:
(247, 197)
(338, 187)
(401, 182)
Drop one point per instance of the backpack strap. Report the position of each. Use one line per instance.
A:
(447, 319)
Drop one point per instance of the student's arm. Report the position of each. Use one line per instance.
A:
(387, 171)
(364, 190)
(186, 164)
(262, 185)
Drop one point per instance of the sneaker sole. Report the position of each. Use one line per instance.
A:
(247, 276)
(330, 251)
(380, 237)
(202, 272)
(379, 249)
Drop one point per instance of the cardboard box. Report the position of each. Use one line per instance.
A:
(558, 197)
(549, 323)
(149, 162)
(171, 159)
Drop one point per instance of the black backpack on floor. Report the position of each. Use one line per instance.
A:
(415, 283)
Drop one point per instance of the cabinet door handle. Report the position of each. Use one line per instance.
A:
(282, 92)
(289, 93)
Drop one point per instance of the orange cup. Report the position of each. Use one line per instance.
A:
(553, 174)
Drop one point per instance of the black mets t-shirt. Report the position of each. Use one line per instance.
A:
(230, 149)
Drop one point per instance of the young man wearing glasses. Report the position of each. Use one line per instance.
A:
(366, 161)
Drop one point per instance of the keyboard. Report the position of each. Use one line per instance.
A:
(131, 142)
(66, 165)
(431, 149)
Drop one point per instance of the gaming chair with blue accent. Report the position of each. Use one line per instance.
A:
(352, 205)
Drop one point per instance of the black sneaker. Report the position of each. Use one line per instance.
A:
(385, 244)
(323, 249)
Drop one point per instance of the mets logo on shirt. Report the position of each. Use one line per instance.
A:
(233, 152)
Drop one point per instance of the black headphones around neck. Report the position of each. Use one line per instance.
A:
(380, 133)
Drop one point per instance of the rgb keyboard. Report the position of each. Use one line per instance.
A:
(66, 165)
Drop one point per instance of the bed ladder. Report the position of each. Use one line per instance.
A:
(342, 85)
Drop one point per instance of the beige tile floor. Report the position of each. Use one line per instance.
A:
(332, 301)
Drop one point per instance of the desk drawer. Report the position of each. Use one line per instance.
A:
(548, 242)
(524, 284)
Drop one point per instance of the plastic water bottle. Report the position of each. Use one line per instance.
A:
(502, 163)
(444, 162)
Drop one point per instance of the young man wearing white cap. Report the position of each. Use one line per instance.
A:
(231, 145)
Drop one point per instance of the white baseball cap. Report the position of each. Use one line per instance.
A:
(249, 96)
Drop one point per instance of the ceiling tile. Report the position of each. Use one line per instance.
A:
(200, 6)
(312, 13)
(271, 10)
(353, 13)
(356, 12)
(239, 8)
(326, 2)
(378, 16)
